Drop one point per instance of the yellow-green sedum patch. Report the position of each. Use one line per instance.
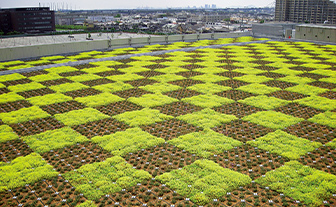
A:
(203, 181)
(257, 88)
(285, 144)
(160, 87)
(124, 142)
(108, 177)
(327, 118)
(113, 87)
(23, 115)
(24, 170)
(54, 139)
(207, 101)
(301, 182)
(152, 100)
(205, 143)
(99, 100)
(10, 97)
(145, 116)
(318, 102)
(264, 102)
(207, 118)
(66, 87)
(25, 87)
(49, 99)
(272, 119)
(306, 89)
(7, 134)
(80, 116)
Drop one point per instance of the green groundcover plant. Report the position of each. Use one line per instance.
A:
(301, 183)
(125, 77)
(205, 143)
(24, 170)
(80, 116)
(203, 180)
(134, 69)
(285, 144)
(62, 88)
(171, 70)
(142, 117)
(167, 78)
(97, 69)
(264, 102)
(99, 100)
(45, 77)
(208, 88)
(211, 71)
(328, 80)
(332, 143)
(258, 88)
(62, 69)
(209, 78)
(327, 118)
(23, 115)
(152, 100)
(253, 78)
(160, 87)
(107, 177)
(7, 134)
(49, 99)
(131, 140)
(324, 72)
(296, 79)
(208, 100)
(26, 87)
(10, 97)
(287, 72)
(318, 102)
(272, 119)
(87, 203)
(113, 87)
(84, 77)
(207, 118)
(306, 89)
(11, 77)
(54, 139)
(247, 69)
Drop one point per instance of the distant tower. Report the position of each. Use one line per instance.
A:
(301, 11)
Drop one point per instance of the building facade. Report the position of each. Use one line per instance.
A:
(27, 20)
(215, 18)
(306, 11)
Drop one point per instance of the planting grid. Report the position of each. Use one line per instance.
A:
(249, 125)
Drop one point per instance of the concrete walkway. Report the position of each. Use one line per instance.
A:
(52, 39)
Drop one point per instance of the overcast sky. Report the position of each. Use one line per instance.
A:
(131, 4)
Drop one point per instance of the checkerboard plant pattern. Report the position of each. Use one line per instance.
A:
(250, 125)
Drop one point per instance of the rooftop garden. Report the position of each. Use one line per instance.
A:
(239, 125)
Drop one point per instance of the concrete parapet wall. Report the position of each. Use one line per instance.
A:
(316, 33)
(272, 30)
(33, 51)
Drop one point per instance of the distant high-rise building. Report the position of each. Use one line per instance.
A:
(207, 6)
(306, 11)
(213, 6)
(27, 20)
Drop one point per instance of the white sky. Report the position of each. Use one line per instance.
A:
(131, 4)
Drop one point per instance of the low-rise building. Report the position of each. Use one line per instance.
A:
(27, 20)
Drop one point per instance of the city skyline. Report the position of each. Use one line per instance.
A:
(130, 4)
